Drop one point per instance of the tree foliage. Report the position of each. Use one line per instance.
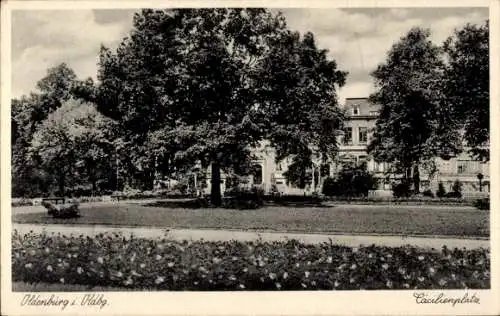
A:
(75, 134)
(413, 126)
(208, 85)
(28, 112)
(467, 84)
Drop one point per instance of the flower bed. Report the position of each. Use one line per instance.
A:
(132, 263)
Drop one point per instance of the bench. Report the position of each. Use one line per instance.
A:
(55, 199)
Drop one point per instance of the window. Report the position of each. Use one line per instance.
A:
(363, 135)
(257, 174)
(279, 167)
(467, 166)
(348, 135)
(355, 110)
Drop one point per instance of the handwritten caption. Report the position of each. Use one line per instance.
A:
(85, 300)
(441, 298)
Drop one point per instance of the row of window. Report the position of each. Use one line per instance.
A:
(362, 135)
(356, 111)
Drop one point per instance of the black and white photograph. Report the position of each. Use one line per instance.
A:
(249, 149)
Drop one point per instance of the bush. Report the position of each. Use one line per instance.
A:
(428, 193)
(286, 199)
(453, 195)
(400, 190)
(351, 181)
(482, 204)
(62, 211)
(441, 192)
(243, 198)
(160, 264)
(457, 189)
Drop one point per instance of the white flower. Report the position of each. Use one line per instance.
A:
(353, 266)
(421, 258)
(158, 257)
(389, 283)
(61, 280)
(232, 278)
(28, 265)
(216, 260)
(235, 258)
(336, 283)
(272, 276)
(278, 286)
(69, 255)
(241, 286)
(170, 264)
(297, 265)
(329, 259)
(128, 281)
(100, 260)
(47, 250)
(245, 270)
(385, 266)
(142, 265)
(79, 270)
(49, 268)
(159, 280)
(119, 274)
(285, 275)
(432, 270)
(307, 273)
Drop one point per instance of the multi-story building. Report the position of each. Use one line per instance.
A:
(360, 122)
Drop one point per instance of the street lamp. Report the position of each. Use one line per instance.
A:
(480, 178)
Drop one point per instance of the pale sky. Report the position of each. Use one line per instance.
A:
(358, 39)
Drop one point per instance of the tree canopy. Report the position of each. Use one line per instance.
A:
(413, 126)
(207, 85)
(76, 133)
(467, 85)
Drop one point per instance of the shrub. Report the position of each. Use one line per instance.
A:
(400, 190)
(351, 181)
(457, 189)
(160, 264)
(428, 193)
(62, 211)
(482, 204)
(286, 199)
(243, 198)
(441, 192)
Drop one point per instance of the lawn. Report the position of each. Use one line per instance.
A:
(390, 220)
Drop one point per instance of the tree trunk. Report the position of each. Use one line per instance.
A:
(61, 183)
(416, 178)
(215, 192)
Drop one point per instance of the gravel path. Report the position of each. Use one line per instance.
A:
(226, 235)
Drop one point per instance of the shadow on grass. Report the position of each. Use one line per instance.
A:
(205, 204)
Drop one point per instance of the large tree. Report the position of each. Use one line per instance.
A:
(207, 85)
(467, 84)
(413, 126)
(75, 135)
(29, 111)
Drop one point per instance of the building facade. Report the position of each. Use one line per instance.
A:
(360, 123)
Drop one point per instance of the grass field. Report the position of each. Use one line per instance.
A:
(390, 220)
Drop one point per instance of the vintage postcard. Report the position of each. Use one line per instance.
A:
(250, 157)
